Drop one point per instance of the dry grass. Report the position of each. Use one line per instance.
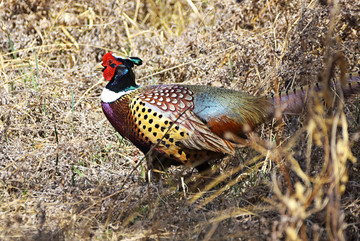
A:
(62, 166)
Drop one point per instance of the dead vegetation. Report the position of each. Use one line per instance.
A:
(63, 167)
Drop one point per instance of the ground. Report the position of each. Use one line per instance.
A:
(65, 174)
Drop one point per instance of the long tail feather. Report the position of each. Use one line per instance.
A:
(294, 101)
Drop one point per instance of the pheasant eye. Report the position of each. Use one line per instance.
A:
(110, 61)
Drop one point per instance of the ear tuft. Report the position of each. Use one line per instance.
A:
(136, 60)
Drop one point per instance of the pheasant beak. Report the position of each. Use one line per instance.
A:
(98, 67)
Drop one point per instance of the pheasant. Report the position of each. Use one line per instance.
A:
(186, 124)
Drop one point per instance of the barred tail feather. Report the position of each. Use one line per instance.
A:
(293, 102)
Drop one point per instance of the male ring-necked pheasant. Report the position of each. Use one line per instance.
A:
(186, 124)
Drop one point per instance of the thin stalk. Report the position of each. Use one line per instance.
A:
(33, 79)
(231, 68)
(14, 56)
(37, 67)
(72, 110)
(11, 45)
(57, 154)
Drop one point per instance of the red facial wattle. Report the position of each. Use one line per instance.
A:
(110, 63)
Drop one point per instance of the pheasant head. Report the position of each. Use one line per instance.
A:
(118, 71)
(114, 65)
